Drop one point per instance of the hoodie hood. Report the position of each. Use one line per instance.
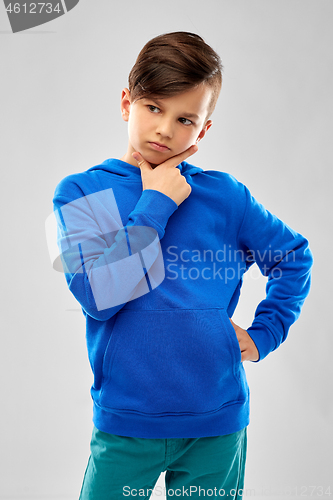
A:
(123, 169)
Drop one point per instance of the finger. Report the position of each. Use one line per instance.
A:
(141, 161)
(176, 160)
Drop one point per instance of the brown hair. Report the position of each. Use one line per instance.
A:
(173, 63)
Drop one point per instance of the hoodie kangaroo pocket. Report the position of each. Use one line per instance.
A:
(171, 361)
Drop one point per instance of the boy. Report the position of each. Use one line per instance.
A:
(154, 249)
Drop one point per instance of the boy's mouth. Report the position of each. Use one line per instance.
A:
(159, 147)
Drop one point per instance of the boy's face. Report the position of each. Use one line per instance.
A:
(176, 122)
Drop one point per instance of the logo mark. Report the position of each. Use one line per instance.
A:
(87, 241)
(23, 15)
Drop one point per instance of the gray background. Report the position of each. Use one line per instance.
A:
(272, 129)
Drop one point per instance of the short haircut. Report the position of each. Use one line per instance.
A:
(174, 63)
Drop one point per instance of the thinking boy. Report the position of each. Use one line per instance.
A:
(170, 391)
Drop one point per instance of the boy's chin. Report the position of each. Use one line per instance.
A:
(156, 160)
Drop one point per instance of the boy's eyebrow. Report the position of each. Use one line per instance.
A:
(191, 115)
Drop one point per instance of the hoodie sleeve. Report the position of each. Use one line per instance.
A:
(284, 256)
(105, 263)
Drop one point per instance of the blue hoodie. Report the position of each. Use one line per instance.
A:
(157, 284)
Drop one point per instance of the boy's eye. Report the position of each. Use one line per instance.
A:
(189, 121)
(155, 109)
(152, 108)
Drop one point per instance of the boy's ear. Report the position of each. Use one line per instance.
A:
(204, 130)
(125, 104)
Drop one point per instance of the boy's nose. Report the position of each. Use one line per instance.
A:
(165, 128)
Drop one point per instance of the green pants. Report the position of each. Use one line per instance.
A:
(126, 467)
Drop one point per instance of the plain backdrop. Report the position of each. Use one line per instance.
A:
(272, 129)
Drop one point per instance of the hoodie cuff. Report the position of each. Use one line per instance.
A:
(264, 340)
(153, 209)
